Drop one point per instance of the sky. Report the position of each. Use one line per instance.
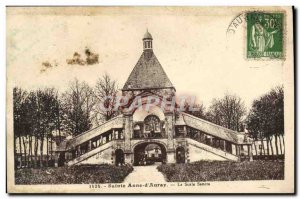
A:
(193, 46)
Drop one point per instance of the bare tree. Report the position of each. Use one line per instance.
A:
(197, 110)
(105, 92)
(77, 104)
(227, 111)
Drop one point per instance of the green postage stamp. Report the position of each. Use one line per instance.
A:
(265, 35)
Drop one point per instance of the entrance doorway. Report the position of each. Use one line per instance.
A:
(119, 157)
(149, 154)
(180, 155)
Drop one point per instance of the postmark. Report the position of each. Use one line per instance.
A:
(265, 32)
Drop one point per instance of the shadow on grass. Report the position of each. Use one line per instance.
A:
(223, 171)
(81, 174)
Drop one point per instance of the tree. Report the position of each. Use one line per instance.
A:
(199, 110)
(59, 120)
(19, 114)
(105, 93)
(77, 105)
(266, 118)
(227, 111)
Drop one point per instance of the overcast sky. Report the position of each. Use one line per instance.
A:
(198, 56)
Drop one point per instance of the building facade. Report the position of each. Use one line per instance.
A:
(179, 137)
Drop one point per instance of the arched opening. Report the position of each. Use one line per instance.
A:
(119, 154)
(180, 155)
(149, 153)
(61, 159)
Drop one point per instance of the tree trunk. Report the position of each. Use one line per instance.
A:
(25, 151)
(15, 150)
(262, 151)
(271, 146)
(41, 151)
(30, 150)
(36, 144)
(255, 148)
(276, 145)
(51, 147)
(20, 150)
(283, 144)
(58, 124)
(280, 145)
(47, 157)
(268, 151)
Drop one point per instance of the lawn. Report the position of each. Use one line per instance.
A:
(82, 174)
(223, 171)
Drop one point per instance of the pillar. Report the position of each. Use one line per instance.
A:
(78, 151)
(171, 156)
(238, 151)
(114, 134)
(56, 159)
(90, 145)
(170, 130)
(128, 158)
(250, 152)
(127, 132)
(184, 131)
(128, 129)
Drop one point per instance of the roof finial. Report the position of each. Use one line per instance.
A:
(147, 35)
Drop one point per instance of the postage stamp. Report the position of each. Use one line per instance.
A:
(265, 35)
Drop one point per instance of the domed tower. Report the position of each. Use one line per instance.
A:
(148, 74)
(147, 40)
(148, 80)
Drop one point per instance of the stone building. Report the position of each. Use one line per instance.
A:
(181, 137)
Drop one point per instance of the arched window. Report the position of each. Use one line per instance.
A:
(152, 123)
(137, 131)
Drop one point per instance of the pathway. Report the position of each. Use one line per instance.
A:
(145, 174)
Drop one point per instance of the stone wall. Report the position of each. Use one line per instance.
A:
(102, 157)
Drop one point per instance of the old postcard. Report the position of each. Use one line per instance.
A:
(150, 100)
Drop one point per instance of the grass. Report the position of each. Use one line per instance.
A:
(81, 174)
(223, 171)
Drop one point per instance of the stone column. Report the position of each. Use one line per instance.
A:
(238, 148)
(250, 152)
(56, 159)
(78, 151)
(184, 131)
(128, 129)
(90, 145)
(114, 134)
(128, 158)
(170, 130)
(127, 132)
(171, 156)
(170, 137)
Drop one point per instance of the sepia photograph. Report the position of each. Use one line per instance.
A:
(150, 100)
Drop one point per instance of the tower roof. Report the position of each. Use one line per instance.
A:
(147, 74)
(147, 35)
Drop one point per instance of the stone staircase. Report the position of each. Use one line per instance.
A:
(223, 155)
(89, 154)
(114, 123)
(213, 129)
